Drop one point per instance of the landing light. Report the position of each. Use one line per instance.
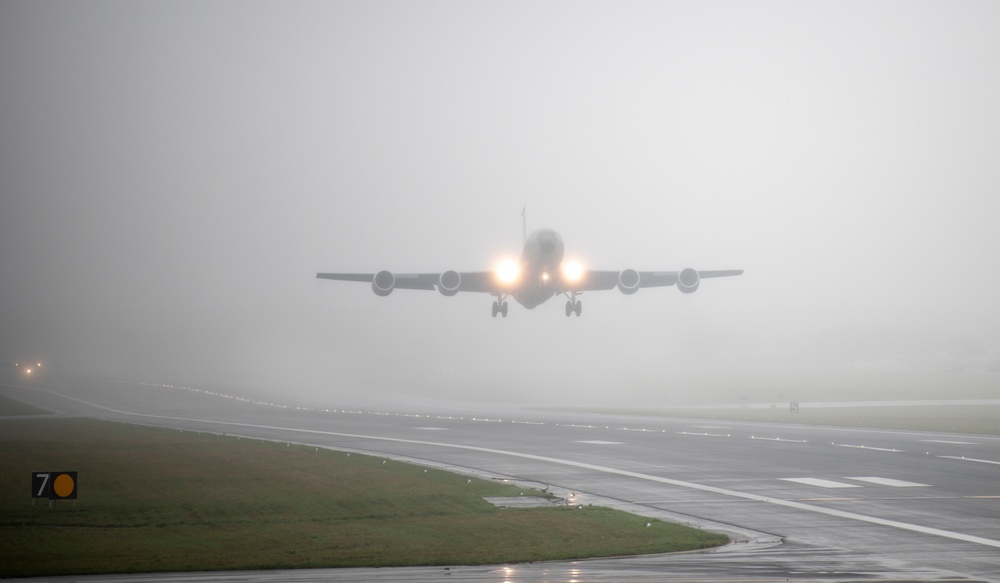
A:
(508, 271)
(572, 271)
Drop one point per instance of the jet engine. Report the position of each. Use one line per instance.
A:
(383, 282)
(687, 281)
(628, 281)
(449, 282)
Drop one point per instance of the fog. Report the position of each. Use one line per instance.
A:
(173, 175)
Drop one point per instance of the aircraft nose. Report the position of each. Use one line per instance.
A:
(547, 245)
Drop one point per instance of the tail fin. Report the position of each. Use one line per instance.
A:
(524, 224)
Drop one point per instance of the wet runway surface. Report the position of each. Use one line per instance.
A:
(803, 503)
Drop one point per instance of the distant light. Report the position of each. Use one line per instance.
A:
(545, 276)
(28, 371)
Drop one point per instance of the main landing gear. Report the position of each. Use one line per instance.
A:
(573, 305)
(500, 307)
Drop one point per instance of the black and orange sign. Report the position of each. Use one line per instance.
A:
(54, 485)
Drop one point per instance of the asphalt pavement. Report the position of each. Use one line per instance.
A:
(801, 503)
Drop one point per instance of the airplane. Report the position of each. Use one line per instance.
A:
(540, 275)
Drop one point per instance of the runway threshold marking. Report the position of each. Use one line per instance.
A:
(604, 469)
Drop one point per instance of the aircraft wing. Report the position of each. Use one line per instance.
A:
(453, 281)
(632, 280)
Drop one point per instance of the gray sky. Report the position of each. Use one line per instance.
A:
(173, 174)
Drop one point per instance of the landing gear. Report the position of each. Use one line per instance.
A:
(500, 307)
(573, 305)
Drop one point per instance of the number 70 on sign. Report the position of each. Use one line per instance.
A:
(54, 485)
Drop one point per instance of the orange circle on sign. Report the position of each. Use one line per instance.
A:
(63, 485)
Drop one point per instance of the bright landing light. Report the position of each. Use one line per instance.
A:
(572, 270)
(508, 271)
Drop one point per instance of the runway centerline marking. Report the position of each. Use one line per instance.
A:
(869, 447)
(888, 482)
(968, 459)
(604, 469)
(599, 442)
(949, 441)
(820, 482)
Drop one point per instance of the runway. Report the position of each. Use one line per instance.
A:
(803, 503)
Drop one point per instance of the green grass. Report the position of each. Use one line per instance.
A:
(155, 499)
(9, 406)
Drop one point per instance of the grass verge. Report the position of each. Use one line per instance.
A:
(154, 499)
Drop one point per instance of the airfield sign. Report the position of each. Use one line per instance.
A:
(54, 485)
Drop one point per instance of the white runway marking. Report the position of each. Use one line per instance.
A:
(967, 459)
(703, 434)
(949, 441)
(680, 483)
(888, 482)
(599, 442)
(869, 447)
(821, 483)
(432, 428)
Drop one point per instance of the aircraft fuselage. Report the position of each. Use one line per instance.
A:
(541, 262)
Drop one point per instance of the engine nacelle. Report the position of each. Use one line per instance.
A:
(687, 281)
(449, 282)
(628, 281)
(383, 283)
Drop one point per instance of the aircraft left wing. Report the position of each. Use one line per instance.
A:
(630, 280)
(448, 283)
